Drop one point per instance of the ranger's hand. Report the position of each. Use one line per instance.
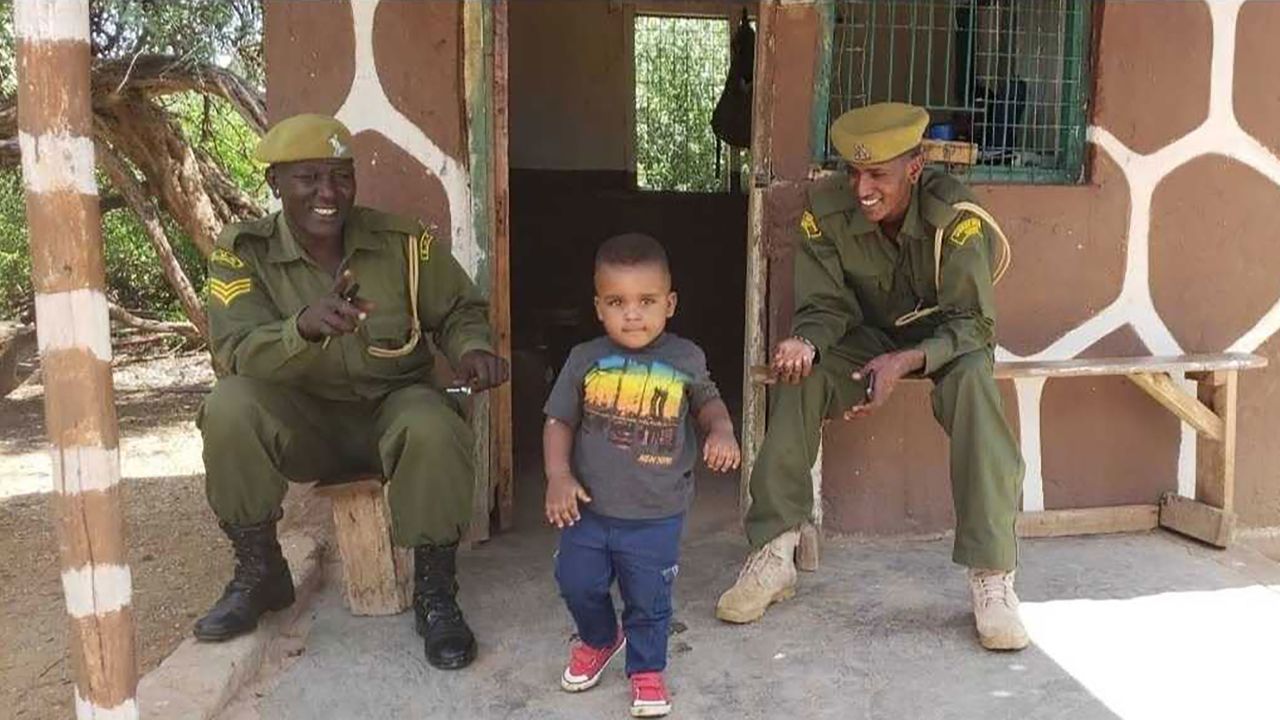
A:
(793, 360)
(338, 313)
(481, 370)
(883, 373)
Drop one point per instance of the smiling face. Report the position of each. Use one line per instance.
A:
(316, 195)
(634, 302)
(884, 189)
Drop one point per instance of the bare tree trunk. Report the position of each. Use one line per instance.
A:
(17, 346)
(147, 136)
(190, 187)
(74, 339)
(143, 207)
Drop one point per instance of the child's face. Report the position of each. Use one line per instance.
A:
(634, 302)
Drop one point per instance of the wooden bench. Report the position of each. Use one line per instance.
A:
(1211, 412)
(377, 576)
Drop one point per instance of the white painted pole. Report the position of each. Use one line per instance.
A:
(56, 140)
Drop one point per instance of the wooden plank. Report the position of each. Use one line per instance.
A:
(821, 109)
(1083, 367)
(1197, 520)
(756, 332)
(1216, 462)
(760, 373)
(1088, 521)
(950, 152)
(377, 576)
(477, 95)
(501, 448)
(1165, 391)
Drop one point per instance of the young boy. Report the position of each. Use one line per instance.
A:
(619, 455)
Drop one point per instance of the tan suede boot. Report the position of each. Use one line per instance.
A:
(995, 610)
(768, 576)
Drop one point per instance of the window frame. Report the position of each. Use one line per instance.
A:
(695, 10)
(1078, 34)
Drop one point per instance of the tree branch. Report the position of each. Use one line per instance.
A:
(148, 76)
(9, 152)
(156, 75)
(124, 317)
(123, 181)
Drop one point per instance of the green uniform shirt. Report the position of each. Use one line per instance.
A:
(848, 273)
(260, 280)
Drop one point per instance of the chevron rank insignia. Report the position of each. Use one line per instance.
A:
(226, 259)
(227, 290)
(964, 230)
(809, 224)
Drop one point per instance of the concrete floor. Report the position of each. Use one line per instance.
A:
(1132, 627)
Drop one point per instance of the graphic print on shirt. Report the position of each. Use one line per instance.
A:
(637, 405)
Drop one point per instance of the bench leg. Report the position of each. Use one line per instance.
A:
(377, 576)
(807, 552)
(482, 494)
(1209, 517)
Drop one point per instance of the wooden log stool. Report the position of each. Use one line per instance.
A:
(377, 576)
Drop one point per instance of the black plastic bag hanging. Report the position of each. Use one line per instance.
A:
(731, 119)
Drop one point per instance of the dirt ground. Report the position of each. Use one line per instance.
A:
(179, 558)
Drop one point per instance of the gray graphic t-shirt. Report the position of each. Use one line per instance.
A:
(635, 446)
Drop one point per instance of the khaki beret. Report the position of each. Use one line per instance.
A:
(305, 137)
(879, 132)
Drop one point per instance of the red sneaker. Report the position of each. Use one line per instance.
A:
(649, 695)
(587, 663)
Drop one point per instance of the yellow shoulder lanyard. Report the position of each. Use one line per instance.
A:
(411, 245)
(1002, 263)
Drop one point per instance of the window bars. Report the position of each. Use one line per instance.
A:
(1010, 76)
(680, 67)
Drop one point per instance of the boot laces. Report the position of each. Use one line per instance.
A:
(758, 562)
(253, 565)
(995, 588)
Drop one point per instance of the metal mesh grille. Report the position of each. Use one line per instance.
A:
(680, 66)
(1007, 75)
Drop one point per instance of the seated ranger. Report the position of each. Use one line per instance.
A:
(317, 313)
(893, 277)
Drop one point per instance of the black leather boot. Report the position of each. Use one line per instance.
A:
(449, 642)
(261, 583)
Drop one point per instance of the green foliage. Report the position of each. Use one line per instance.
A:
(681, 64)
(15, 260)
(225, 32)
(134, 277)
(8, 63)
(214, 128)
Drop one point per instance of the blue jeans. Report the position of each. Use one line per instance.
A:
(643, 556)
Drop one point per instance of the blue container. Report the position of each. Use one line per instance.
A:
(941, 131)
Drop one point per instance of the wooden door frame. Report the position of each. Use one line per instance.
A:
(485, 98)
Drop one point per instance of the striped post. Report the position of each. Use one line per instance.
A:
(55, 138)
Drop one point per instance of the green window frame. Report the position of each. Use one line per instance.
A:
(1011, 76)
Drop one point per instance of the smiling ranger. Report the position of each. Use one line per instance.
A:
(893, 277)
(316, 317)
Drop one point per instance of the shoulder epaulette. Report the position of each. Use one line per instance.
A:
(264, 227)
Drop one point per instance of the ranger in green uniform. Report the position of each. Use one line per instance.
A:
(873, 306)
(318, 312)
